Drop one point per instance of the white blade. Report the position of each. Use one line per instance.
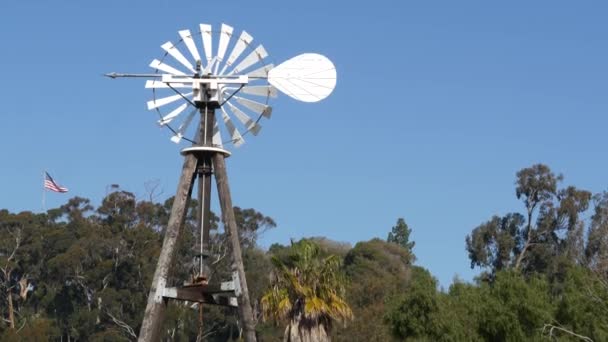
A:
(169, 117)
(182, 128)
(175, 53)
(187, 38)
(245, 119)
(225, 35)
(261, 72)
(206, 34)
(156, 64)
(255, 106)
(244, 40)
(165, 100)
(309, 77)
(260, 90)
(207, 69)
(255, 56)
(235, 135)
(217, 136)
(159, 84)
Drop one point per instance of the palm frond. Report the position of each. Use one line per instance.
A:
(306, 285)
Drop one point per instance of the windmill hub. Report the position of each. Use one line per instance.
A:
(207, 88)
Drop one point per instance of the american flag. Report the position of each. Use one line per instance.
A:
(50, 184)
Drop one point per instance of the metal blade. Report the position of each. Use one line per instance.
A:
(166, 100)
(175, 53)
(251, 125)
(255, 56)
(217, 136)
(309, 77)
(182, 128)
(261, 72)
(169, 117)
(159, 84)
(225, 35)
(266, 90)
(244, 40)
(235, 135)
(187, 38)
(156, 64)
(207, 69)
(207, 42)
(255, 106)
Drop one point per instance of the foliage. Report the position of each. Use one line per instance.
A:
(514, 308)
(82, 273)
(494, 244)
(376, 271)
(583, 305)
(596, 251)
(545, 238)
(413, 314)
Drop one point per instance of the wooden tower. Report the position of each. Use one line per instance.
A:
(229, 86)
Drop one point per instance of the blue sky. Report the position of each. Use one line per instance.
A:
(438, 105)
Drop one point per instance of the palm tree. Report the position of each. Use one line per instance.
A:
(306, 293)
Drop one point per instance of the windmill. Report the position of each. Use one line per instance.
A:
(189, 89)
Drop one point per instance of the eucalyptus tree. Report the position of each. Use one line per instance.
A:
(548, 232)
(596, 250)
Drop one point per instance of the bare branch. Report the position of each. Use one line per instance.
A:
(151, 187)
(22, 325)
(213, 330)
(122, 325)
(17, 236)
(221, 255)
(548, 329)
(105, 281)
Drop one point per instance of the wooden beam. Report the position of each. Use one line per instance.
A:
(223, 189)
(155, 308)
(196, 295)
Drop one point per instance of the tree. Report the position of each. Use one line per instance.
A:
(461, 311)
(306, 294)
(535, 185)
(413, 314)
(400, 235)
(596, 251)
(21, 262)
(80, 272)
(514, 308)
(8, 264)
(547, 236)
(582, 304)
(494, 244)
(376, 271)
(251, 224)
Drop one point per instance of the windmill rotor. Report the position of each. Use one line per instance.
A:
(227, 71)
(192, 73)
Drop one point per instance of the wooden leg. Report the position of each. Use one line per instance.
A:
(155, 309)
(223, 189)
